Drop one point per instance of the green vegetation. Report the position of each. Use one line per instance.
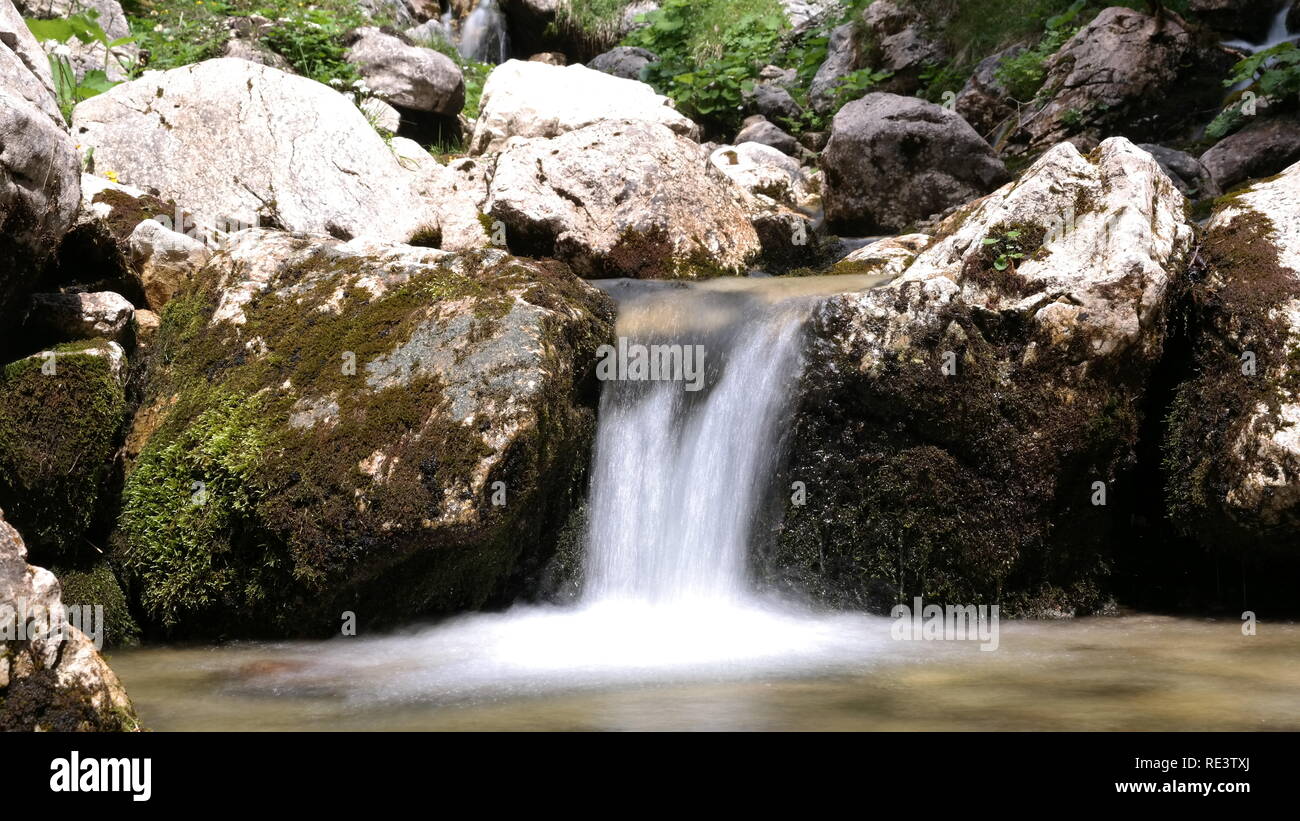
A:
(1024, 73)
(1273, 74)
(85, 28)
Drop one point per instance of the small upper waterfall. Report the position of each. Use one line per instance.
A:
(1278, 33)
(483, 34)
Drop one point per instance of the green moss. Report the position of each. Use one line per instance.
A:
(94, 584)
(57, 437)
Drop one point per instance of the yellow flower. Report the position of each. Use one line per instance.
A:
(111, 176)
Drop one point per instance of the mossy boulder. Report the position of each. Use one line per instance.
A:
(962, 427)
(61, 411)
(91, 584)
(1232, 448)
(329, 427)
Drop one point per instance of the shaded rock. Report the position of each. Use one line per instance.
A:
(1006, 364)
(53, 679)
(757, 129)
(624, 198)
(899, 42)
(624, 61)
(775, 103)
(841, 57)
(79, 316)
(407, 76)
(381, 115)
(60, 412)
(40, 171)
(1233, 442)
(523, 99)
(894, 160)
(348, 410)
(292, 152)
(984, 101)
(1126, 74)
(1261, 149)
(1186, 172)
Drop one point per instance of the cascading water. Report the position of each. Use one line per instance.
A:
(1278, 33)
(678, 482)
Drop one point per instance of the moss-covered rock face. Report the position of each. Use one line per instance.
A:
(92, 584)
(327, 427)
(1232, 448)
(60, 413)
(961, 425)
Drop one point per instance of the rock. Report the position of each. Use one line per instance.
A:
(523, 99)
(841, 57)
(91, 583)
(887, 257)
(39, 168)
(293, 153)
(624, 61)
(1186, 172)
(899, 43)
(627, 198)
(52, 679)
(551, 58)
(459, 191)
(380, 114)
(407, 76)
(780, 200)
(165, 260)
(757, 129)
(349, 410)
(805, 14)
(894, 160)
(245, 43)
(775, 103)
(1019, 387)
(1231, 446)
(80, 316)
(1261, 149)
(984, 102)
(1124, 74)
(146, 326)
(60, 412)
(1247, 19)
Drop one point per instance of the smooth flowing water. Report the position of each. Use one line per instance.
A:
(669, 632)
(1278, 33)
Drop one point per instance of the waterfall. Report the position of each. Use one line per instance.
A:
(677, 477)
(483, 34)
(1278, 33)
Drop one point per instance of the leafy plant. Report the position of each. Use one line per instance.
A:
(1004, 249)
(85, 28)
(1272, 74)
(710, 53)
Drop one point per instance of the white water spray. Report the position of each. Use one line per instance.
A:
(1278, 33)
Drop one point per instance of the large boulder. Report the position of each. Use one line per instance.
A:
(236, 144)
(79, 315)
(408, 76)
(1261, 149)
(1233, 443)
(841, 57)
(60, 413)
(960, 427)
(382, 429)
(627, 198)
(39, 168)
(523, 99)
(984, 100)
(892, 161)
(1126, 74)
(52, 677)
(898, 42)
